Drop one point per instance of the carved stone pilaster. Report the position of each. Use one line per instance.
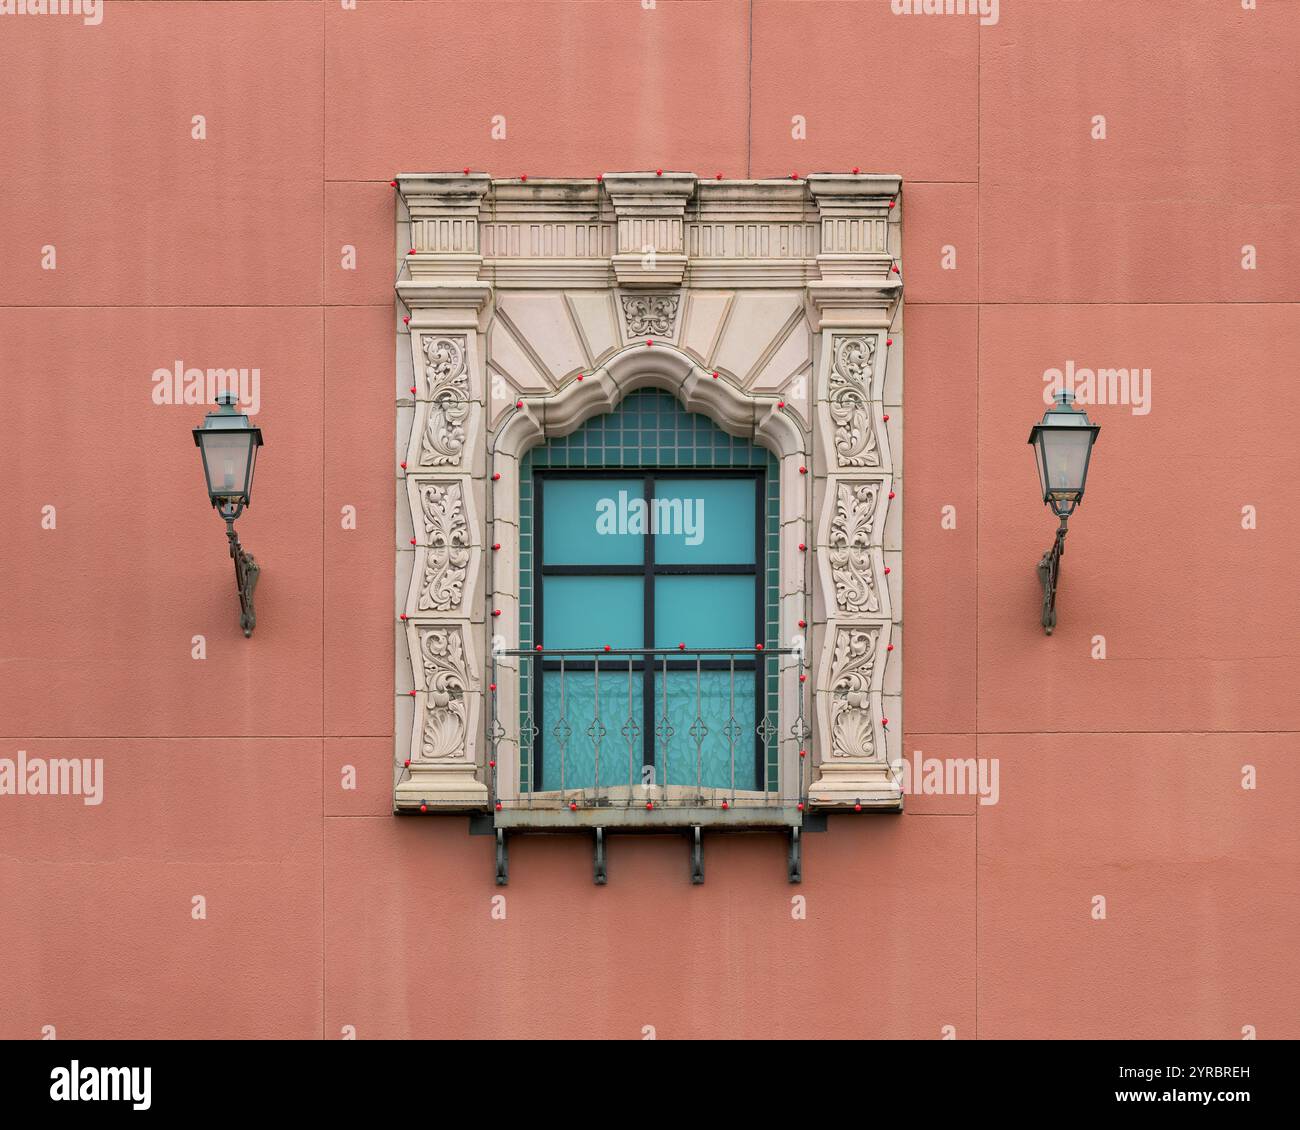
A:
(444, 740)
(857, 615)
(441, 441)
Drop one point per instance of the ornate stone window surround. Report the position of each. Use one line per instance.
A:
(540, 418)
(535, 306)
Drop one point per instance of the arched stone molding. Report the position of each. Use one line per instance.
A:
(762, 419)
(768, 306)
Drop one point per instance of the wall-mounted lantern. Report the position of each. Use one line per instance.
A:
(229, 443)
(1063, 446)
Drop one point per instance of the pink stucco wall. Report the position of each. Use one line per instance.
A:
(1120, 777)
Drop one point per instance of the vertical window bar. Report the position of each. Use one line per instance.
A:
(731, 723)
(630, 733)
(562, 724)
(665, 724)
(597, 730)
(698, 729)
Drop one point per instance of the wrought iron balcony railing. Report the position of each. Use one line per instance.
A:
(651, 736)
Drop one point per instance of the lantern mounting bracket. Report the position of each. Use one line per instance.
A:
(247, 570)
(1049, 575)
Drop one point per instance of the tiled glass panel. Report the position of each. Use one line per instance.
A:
(705, 611)
(704, 521)
(586, 522)
(593, 612)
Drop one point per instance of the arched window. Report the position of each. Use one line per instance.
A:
(651, 532)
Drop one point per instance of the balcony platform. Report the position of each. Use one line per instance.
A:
(549, 818)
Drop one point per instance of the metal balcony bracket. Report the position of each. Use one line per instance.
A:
(697, 855)
(599, 873)
(503, 859)
(795, 859)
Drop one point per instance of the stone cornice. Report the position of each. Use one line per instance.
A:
(828, 231)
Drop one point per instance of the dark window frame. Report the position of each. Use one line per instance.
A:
(649, 570)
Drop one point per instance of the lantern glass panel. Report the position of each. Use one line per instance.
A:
(1063, 460)
(227, 459)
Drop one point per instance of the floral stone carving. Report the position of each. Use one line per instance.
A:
(650, 315)
(850, 548)
(852, 734)
(448, 381)
(442, 506)
(443, 734)
(850, 377)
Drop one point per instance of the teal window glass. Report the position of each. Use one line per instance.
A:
(581, 745)
(704, 611)
(705, 521)
(590, 521)
(712, 728)
(586, 611)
